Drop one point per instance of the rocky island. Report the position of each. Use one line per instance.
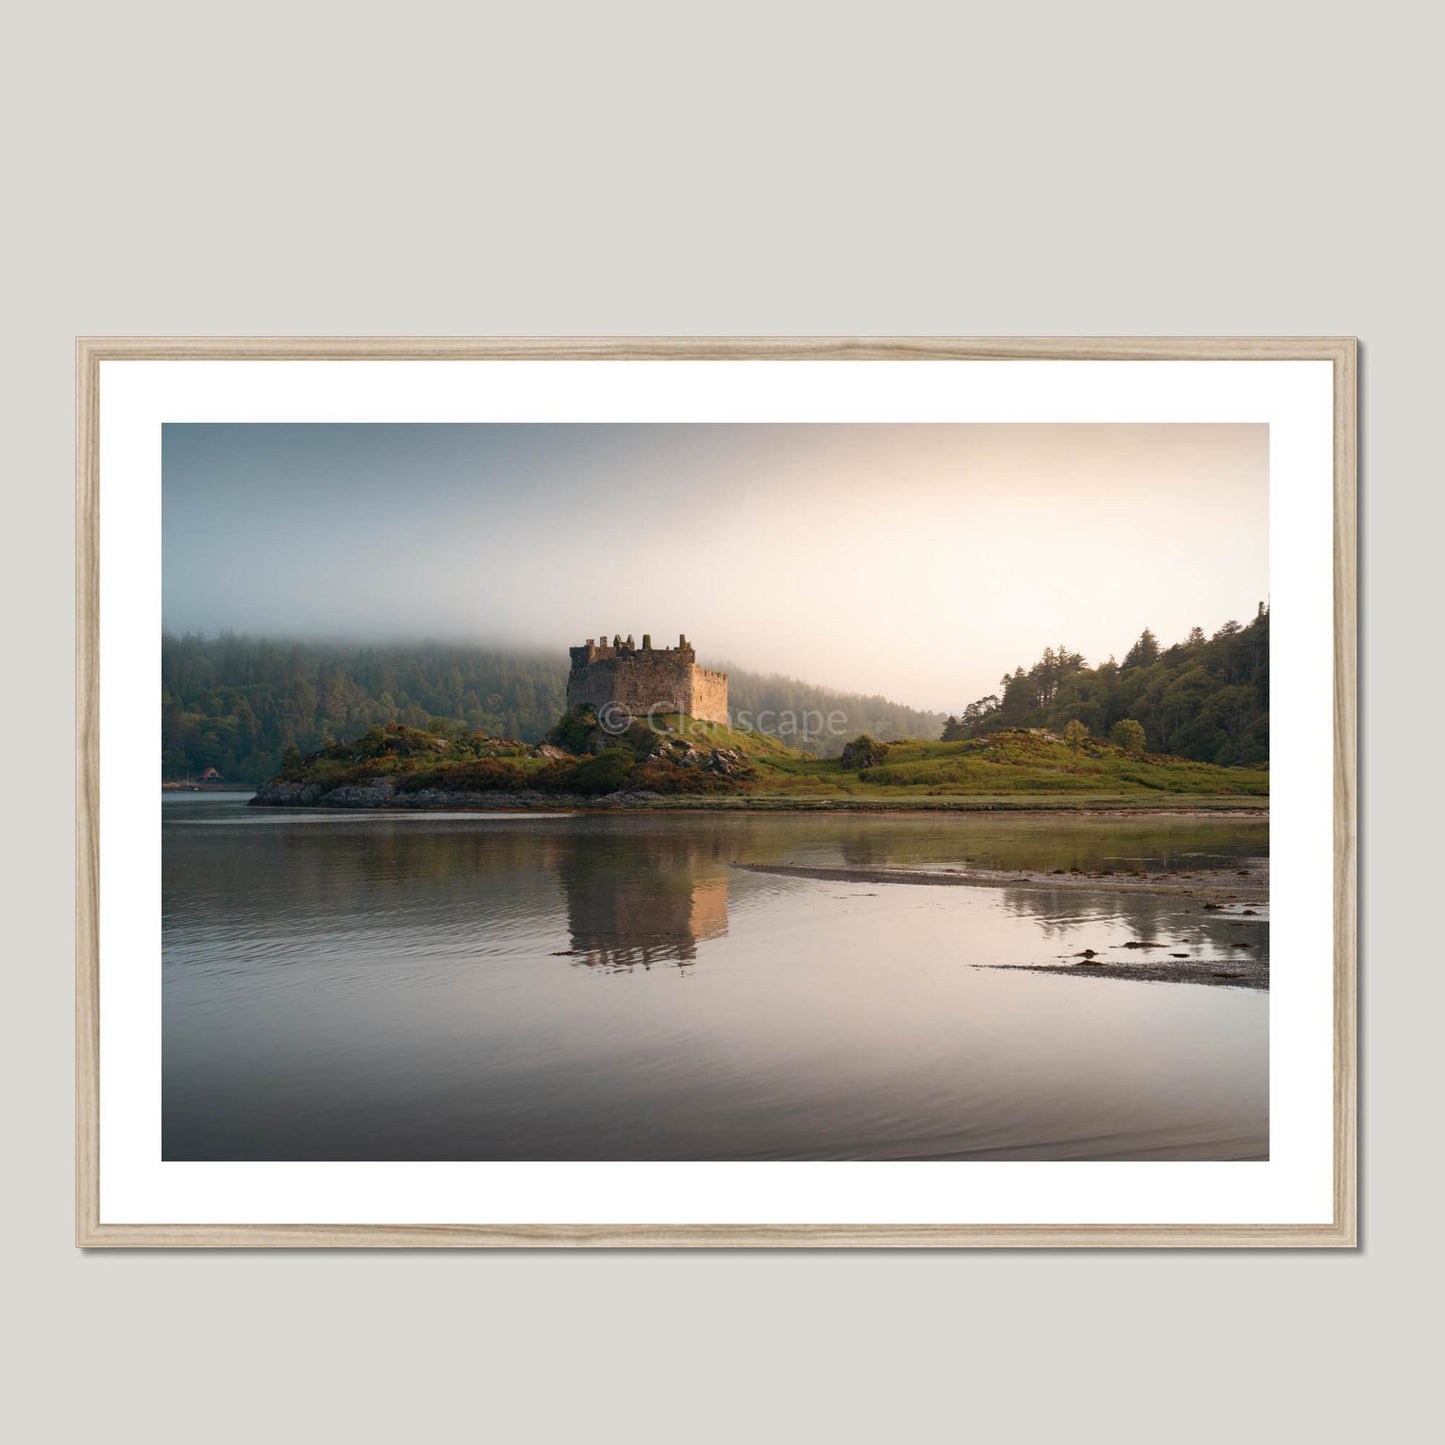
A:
(648, 727)
(677, 761)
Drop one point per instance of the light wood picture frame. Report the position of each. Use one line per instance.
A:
(93, 1231)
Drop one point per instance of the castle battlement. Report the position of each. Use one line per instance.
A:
(645, 679)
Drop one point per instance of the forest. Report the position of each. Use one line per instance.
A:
(236, 703)
(1205, 698)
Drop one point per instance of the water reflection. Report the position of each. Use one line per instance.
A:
(444, 987)
(1067, 915)
(627, 910)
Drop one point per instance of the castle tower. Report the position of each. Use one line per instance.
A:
(645, 680)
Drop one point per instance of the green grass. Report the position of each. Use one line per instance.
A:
(1009, 769)
(1003, 766)
(758, 746)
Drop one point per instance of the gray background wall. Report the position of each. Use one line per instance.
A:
(749, 168)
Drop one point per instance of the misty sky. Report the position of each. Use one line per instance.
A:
(916, 561)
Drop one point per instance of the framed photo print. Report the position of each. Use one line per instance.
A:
(716, 792)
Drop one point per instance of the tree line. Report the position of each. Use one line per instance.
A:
(1205, 698)
(237, 703)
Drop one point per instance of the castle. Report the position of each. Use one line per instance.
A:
(646, 679)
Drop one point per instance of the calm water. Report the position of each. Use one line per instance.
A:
(385, 986)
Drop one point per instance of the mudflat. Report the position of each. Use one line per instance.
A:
(1229, 897)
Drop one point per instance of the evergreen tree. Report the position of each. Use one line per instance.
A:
(1206, 698)
(1143, 652)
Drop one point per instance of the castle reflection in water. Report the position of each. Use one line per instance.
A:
(624, 916)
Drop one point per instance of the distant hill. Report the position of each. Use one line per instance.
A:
(237, 703)
(756, 693)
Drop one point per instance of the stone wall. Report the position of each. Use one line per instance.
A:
(709, 695)
(646, 679)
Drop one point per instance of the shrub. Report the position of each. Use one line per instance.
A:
(573, 730)
(604, 773)
(483, 775)
(1075, 733)
(1128, 735)
(660, 777)
(554, 776)
(862, 753)
(372, 743)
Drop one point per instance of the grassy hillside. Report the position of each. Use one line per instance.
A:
(1006, 764)
(1014, 762)
(691, 762)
